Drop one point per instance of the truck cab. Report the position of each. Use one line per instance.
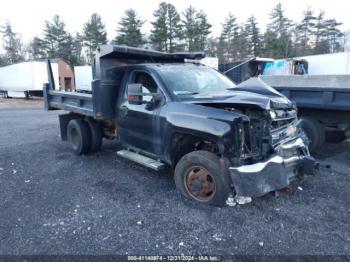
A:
(170, 112)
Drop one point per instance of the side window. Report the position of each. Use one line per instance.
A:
(148, 83)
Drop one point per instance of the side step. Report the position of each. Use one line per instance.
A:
(142, 160)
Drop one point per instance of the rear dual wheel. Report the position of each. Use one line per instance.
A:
(84, 136)
(315, 132)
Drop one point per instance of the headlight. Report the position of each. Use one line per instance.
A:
(291, 131)
(273, 115)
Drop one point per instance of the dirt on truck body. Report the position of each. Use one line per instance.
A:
(220, 139)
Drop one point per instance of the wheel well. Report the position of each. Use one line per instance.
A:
(182, 144)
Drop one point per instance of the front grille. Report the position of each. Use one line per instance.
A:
(283, 118)
(282, 125)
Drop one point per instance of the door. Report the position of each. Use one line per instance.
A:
(68, 84)
(138, 125)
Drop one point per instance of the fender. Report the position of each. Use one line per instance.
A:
(211, 124)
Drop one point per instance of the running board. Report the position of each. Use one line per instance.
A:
(142, 160)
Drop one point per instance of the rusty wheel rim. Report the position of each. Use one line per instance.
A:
(200, 184)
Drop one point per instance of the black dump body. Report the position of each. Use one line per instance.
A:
(109, 58)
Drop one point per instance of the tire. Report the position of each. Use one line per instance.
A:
(315, 133)
(334, 135)
(79, 136)
(96, 135)
(188, 185)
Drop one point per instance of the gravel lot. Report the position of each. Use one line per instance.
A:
(54, 202)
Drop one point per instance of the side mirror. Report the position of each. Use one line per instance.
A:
(135, 94)
(137, 97)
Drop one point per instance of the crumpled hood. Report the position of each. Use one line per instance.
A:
(252, 92)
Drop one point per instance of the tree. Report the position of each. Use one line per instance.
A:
(227, 49)
(37, 49)
(305, 33)
(242, 44)
(166, 33)
(94, 34)
(328, 37)
(320, 31)
(56, 42)
(278, 39)
(2, 60)
(55, 38)
(253, 36)
(196, 29)
(203, 28)
(334, 35)
(190, 28)
(76, 57)
(12, 45)
(159, 33)
(129, 31)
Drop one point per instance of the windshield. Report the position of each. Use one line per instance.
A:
(191, 80)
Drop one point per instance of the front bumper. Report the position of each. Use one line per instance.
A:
(292, 160)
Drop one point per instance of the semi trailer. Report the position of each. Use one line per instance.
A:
(219, 139)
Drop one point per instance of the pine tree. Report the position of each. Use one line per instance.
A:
(190, 28)
(76, 50)
(94, 34)
(166, 34)
(159, 33)
(228, 40)
(37, 49)
(278, 37)
(334, 35)
(174, 32)
(55, 38)
(254, 40)
(321, 44)
(203, 29)
(12, 45)
(305, 33)
(328, 37)
(2, 60)
(129, 31)
(243, 43)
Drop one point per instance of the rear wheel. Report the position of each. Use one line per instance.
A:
(199, 176)
(96, 135)
(79, 136)
(334, 135)
(315, 132)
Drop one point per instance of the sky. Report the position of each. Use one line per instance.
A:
(28, 17)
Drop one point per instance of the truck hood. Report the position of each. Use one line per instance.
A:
(253, 92)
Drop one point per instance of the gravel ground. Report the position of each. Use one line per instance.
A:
(54, 202)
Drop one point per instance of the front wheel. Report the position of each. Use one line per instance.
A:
(199, 176)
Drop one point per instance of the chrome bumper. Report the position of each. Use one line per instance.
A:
(292, 160)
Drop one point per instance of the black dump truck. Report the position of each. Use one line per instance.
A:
(322, 100)
(169, 111)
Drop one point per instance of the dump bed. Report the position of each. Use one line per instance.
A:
(108, 66)
(310, 91)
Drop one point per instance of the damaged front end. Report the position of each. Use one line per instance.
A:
(273, 152)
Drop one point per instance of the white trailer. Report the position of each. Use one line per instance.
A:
(25, 79)
(83, 78)
(328, 64)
